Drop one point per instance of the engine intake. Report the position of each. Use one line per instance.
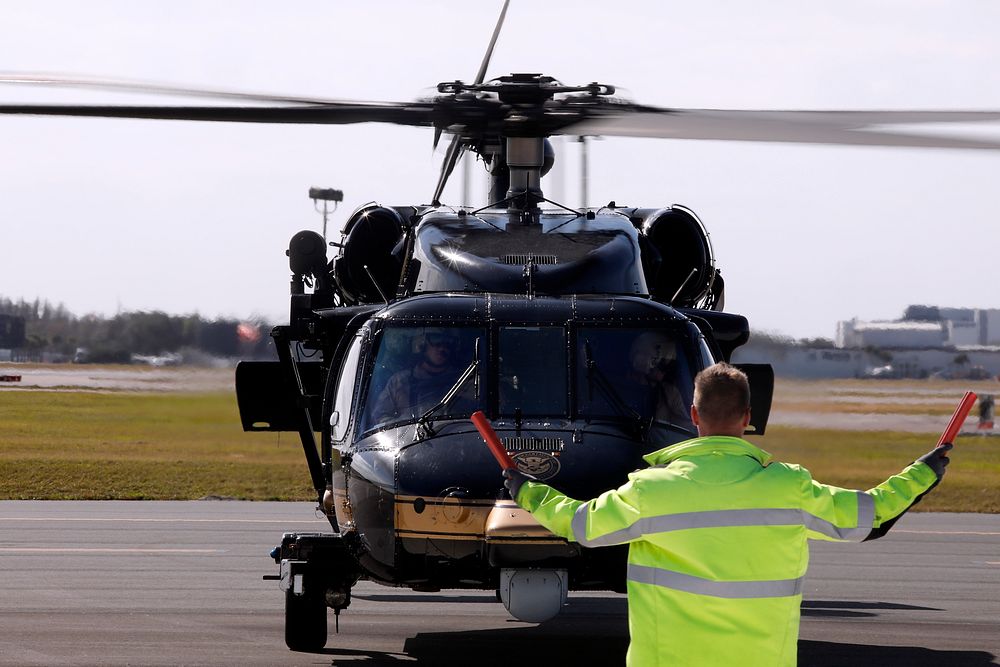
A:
(678, 261)
(370, 237)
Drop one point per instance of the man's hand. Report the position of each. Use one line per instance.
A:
(937, 459)
(513, 479)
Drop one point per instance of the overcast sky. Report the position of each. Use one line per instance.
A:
(103, 215)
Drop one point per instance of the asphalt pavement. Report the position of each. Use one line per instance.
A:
(179, 583)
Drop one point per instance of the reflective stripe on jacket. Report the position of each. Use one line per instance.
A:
(718, 546)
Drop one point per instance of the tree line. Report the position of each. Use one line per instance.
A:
(38, 329)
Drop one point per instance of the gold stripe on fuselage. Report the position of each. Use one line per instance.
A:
(447, 518)
(462, 519)
(454, 518)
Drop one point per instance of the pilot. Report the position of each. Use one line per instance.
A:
(413, 391)
(652, 377)
(718, 534)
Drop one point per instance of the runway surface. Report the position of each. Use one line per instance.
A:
(169, 583)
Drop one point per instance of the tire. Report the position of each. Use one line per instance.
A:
(305, 622)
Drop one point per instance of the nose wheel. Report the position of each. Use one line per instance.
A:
(316, 573)
(305, 622)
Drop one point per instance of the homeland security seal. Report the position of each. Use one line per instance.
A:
(540, 465)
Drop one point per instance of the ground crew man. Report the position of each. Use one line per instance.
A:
(718, 534)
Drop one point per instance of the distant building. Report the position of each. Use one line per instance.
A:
(962, 333)
(957, 314)
(989, 323)
(928, 341)
(854, 334)
(925, 328)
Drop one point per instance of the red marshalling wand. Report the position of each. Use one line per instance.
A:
(490, 436)
(958, 418)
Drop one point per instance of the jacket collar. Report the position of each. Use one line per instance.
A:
(722, 444)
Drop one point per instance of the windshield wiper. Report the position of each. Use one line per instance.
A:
(596, 377)
(424, 426)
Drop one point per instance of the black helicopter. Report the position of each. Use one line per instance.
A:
(577, 331)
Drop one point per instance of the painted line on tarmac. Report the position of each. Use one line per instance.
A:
(106, 550)
(946, 532)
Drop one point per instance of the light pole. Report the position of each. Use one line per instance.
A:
(325, 195)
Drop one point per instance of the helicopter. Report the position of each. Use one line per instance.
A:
(576, 330)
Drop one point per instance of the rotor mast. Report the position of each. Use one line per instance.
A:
(518, 121)
(523, 138)
(525, 158)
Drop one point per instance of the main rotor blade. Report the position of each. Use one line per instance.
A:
(858, 128)
(455, 148)
(455, 151)
(55, 80)
(417, 113)
(481, 74)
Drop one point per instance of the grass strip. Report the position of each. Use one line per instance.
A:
(65, 445)
(168, 446)
(942, 410)
(863, 459)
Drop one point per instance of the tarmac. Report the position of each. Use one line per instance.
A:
(169, 583)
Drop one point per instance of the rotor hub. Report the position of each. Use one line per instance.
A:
(524, 89)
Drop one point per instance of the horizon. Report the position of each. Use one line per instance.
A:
(110, 215)
(258, 318)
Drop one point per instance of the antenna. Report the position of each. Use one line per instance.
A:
(677, 294)
(375, 283)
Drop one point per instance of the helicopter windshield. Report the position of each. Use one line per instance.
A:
(414, 368)
(532, 371)
(646, 371)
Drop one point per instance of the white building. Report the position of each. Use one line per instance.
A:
(957, 314)
(958, 327)
(857, 334)
(962, 333)
(989, 326)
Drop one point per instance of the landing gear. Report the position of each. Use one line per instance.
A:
(305, 622)
(317, 573)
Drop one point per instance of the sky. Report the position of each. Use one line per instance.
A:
(106, 215)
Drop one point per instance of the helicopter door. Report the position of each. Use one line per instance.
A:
(340, 416)
(268, 403)
(761, 377)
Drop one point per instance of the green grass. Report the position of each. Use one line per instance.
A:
(84, 445)
(81, 445)
(863, 459)
(942, 410)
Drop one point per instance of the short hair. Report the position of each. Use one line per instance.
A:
(721, 393)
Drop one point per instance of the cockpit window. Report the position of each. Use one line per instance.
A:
(633, 373)
(414, 369)
(532, 371)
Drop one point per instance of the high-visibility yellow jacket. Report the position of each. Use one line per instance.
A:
(718, 546)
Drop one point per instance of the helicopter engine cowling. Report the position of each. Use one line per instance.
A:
(368, 267)
(678, 261)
